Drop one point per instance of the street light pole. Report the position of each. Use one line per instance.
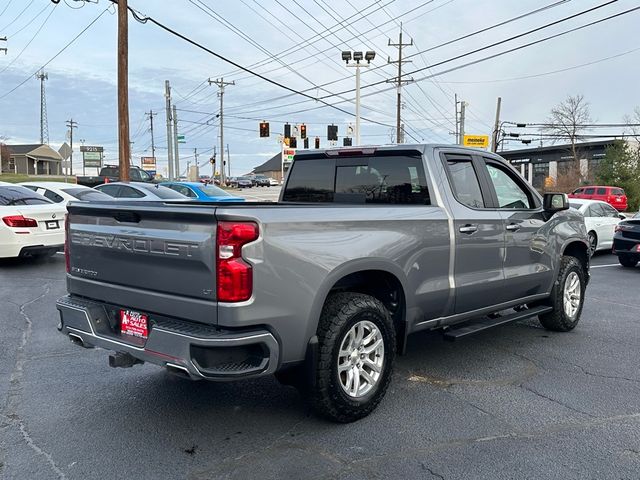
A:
(357, 56)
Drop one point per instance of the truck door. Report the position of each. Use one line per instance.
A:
(479, 235)
(528, 268)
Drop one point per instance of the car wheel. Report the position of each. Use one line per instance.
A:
(593, 243)
(567, 297)
(356, 351)
(628, 261)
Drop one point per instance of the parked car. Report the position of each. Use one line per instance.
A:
(614, 196)
(31, 225)
(600, 218)
(231, 181)
(205, 179)
(62, 193)
(261, 180)
(626, 241)
(140, 191)
(203, 193)
(111, 173)
(273, 182)
(244, 182)
(411, 237)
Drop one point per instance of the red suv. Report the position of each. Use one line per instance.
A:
(614, 196)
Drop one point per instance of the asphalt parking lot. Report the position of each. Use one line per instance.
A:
(514, 402)
(258, 194)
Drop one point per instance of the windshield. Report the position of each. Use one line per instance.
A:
(213, 191)
(20, 196)
(86, 194)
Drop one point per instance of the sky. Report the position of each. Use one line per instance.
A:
(298, 44)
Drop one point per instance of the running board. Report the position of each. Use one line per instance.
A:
(453, 334)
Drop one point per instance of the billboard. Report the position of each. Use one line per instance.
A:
(91, 156)
(477, 141)
(148, 164)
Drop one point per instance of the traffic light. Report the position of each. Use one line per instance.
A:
(287, 130)
(287, 141)
(303, 131)
(264, 129)
(317, 142)
(346, 142)
(293, 142)
(332, 133)
(306, 143)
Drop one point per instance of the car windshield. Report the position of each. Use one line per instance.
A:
(163, 192)
(86, 194)
(20, 196)
(213, 191)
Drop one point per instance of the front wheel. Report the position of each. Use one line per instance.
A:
(567, 297)
(593, 243)
(356, 339)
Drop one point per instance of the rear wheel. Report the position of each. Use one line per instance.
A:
(628, 261)
(593, 243)
(356, 338)
(567, 297)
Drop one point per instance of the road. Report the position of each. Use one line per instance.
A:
(258, 194)
(514, 402)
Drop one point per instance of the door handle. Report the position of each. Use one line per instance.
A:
(468, 229)
(513, 227)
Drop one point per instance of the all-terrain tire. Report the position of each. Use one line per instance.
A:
(340, 313)
(628, 261)
(558, 320)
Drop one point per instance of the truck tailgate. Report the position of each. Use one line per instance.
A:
(151, 257)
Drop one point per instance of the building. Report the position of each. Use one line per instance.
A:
(536, 164)
(272, 168)
(35, 159)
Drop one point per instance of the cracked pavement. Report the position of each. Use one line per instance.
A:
(512, 402)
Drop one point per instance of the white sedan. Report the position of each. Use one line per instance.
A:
(63, 193)
(600, 219)
(30, 225)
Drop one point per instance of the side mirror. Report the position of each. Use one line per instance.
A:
(622, 217)
(555, 202)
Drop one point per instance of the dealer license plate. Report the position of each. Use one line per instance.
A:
(133, 323)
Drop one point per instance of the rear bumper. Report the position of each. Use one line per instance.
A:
(23, 245)
(623, 246)
(196, 350)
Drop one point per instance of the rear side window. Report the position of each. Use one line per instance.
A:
(464, 181)
(589, 191)
(601, 191)
(162, 192)
(129, 192)
(311, 181)
(20, 196)
(617, 191)
(86, 194)
(53, 196)
(383, 179)
(111, 190)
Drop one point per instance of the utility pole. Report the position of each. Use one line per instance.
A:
(463, 105)
(123, 90)
(195, 155)
(455, 96)
(399, 82)
(153, 145)
(176, 145)
(71, 125)
(167, 96)
(221, 84)
(496, 127)
(44, 123)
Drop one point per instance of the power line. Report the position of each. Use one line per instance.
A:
(71, 42)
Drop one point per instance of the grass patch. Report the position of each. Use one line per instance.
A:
(12, 178)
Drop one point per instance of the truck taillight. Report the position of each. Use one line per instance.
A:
(66, 243)
(18, 221)
(234, 275)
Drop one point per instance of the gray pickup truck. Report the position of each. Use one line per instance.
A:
(365, 246)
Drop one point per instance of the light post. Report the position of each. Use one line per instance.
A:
(357, 58)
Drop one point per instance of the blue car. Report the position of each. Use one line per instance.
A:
(201, 192)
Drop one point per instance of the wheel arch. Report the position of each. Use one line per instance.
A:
(380, 279)
(578, 248)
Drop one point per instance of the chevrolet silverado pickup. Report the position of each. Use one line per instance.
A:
(364, 247)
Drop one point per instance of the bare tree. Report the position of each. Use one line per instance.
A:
(632, 129)
(568, 120)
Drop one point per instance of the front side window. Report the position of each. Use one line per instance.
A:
(589, 191)
(609, 211)
(129, 192)
(595, 210)
(509, 192)
(601, 191)
(464, 181)
(111, 190)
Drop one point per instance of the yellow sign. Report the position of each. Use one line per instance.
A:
(478, 141)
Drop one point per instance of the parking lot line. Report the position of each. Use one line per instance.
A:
(609, 265)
